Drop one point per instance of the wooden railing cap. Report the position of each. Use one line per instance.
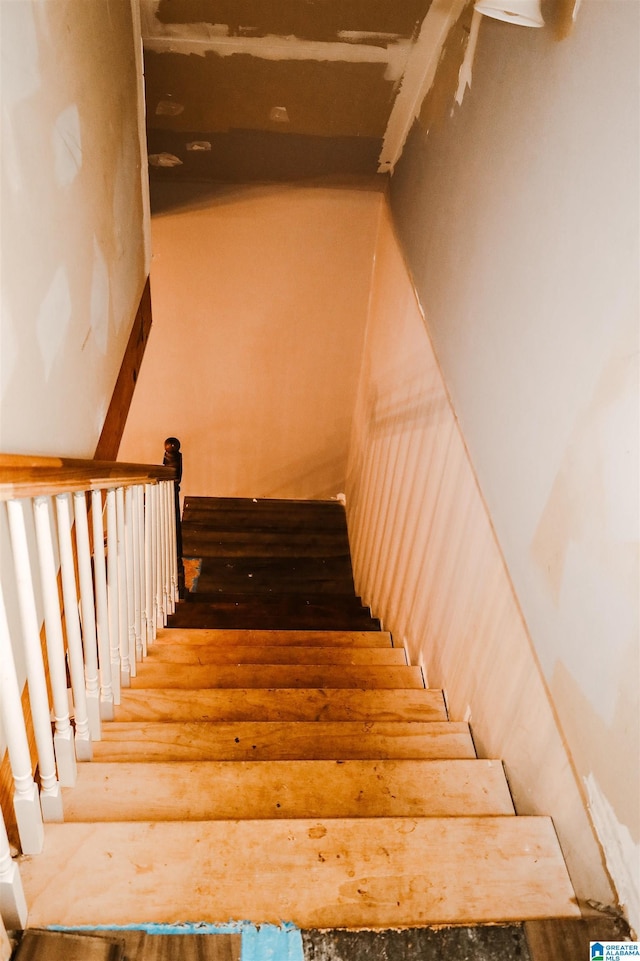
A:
(26, 475)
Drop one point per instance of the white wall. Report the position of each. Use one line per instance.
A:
(73, 249)
(260, 300)
(519, 219)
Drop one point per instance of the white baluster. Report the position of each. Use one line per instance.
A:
(13, 905)
(102, 608)
(148, 563)
(50, 796)
(84, 750)
(173, 544)
(63, 735)
(160, 609)
(134, 524)
(25, 798)
(166, 540)
(123, 602)
(113, 593)
(138, 493)
(87, 606)
(129, 526)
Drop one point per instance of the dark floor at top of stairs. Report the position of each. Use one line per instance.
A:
(499, 943)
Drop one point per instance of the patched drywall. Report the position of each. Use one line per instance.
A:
(260, 298)
(519, 219)
(321, 21)
(73, 244)
(330, 72)
(247, 88)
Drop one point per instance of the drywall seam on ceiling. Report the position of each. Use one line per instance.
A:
(272, 47)
(420, 72)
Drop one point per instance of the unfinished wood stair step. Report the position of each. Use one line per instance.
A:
(281, 741)
(360, 872)
(213, 790)
(280, 704)
(256, 638)
(166, 675)
(197, 654)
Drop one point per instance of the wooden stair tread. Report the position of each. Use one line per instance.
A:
(157, 674)
(282, 740)
(210, 543)
(363, 872)
(260, 575)
(243, 512)
(264, 504)
(243, 615)
(280, 704)
(357, 656)
(209, 790)
(306, 638)
(282, 601)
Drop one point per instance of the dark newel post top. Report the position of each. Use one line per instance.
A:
(172, 456)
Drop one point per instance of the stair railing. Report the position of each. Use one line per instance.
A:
(88, 572)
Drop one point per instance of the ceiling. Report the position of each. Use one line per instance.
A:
(241, 90)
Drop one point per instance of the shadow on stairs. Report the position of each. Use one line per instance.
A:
(276, 759)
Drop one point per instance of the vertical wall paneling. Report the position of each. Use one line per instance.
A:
(426, 559)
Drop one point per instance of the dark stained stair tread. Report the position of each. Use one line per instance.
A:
(254, 575)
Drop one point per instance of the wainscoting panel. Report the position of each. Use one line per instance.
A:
(427, 561)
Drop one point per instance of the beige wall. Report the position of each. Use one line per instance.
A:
(426, 559)
(259, 299)
(73, 249)
(73, 256)
(518, 215)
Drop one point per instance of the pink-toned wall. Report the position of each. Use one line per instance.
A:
(259, 299)
(427, 560)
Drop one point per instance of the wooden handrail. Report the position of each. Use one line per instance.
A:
(27, 476)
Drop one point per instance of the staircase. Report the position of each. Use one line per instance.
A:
(276, 758)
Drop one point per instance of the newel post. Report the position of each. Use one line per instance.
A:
(173, 458)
